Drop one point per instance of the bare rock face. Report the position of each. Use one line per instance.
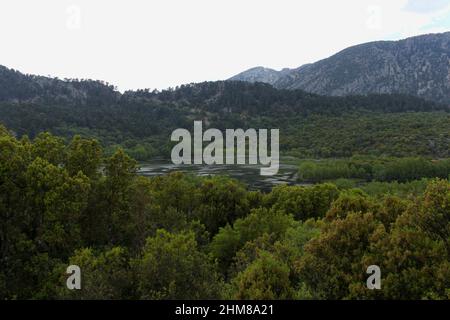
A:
(418, 66)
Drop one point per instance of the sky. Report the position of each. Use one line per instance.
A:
(157, 44)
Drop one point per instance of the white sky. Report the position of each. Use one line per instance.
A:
(160, 43)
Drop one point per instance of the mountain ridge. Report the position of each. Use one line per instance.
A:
(417, 66)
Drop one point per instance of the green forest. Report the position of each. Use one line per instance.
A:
(311, 126)
(67, 201)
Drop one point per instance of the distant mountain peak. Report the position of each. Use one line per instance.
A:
(260, 74)
(417, 66)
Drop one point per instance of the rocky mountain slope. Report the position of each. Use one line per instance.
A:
(417, 66)
(261, 74)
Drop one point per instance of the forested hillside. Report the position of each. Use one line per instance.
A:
(142, 121)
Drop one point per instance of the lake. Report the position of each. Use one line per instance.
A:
(248, 174)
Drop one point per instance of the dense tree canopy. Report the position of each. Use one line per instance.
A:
(184, 237)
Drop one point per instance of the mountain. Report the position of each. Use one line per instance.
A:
(260, 74)
(417, 66)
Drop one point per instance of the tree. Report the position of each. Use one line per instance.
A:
(104, 275)
(266, 278)
(50, 148)
(333, 261)
(84, 155)
(353, 200)
(172, 267)
(434, 212)
(115, 197)
(55, 201)
(221, 200)
(414, 256)
(260, 221)
(302, 202)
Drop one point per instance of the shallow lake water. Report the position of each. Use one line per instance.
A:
(248, 174)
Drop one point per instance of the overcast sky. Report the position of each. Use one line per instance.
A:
(160, 43)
